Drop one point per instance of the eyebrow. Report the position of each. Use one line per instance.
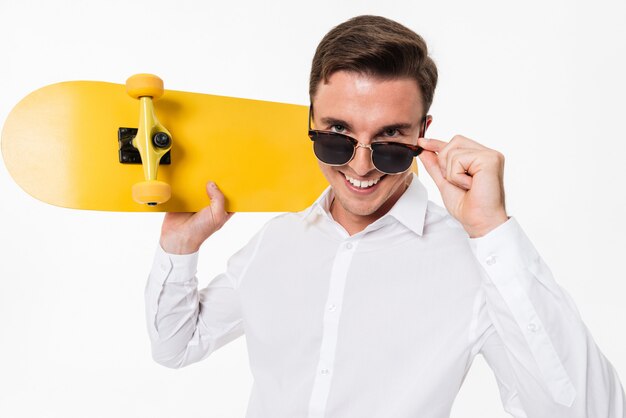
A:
(334, 121)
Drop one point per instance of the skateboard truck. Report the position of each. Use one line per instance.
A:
(128, 154)
(152, 140)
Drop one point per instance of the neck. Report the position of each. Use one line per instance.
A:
(352, 223)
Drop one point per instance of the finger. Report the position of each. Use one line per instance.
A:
(444, 156)
(458, 141)
(458, 165)
(431, 144)
(431, 163)
(464, 142)
(451, 156)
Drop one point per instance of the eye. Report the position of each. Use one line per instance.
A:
(338, 128)
(391, 132)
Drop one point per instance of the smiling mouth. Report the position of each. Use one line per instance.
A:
(362, 184)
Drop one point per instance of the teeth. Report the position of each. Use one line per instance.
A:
(362, 184)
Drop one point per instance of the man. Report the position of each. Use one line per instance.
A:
(374, 301)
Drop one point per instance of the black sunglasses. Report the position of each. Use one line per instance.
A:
(337, 149)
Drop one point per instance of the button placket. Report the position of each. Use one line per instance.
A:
(331, 317)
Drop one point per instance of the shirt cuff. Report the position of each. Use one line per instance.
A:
(505, 246)
(174, 268)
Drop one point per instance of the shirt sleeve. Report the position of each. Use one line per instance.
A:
(185, 324)
(543, 356)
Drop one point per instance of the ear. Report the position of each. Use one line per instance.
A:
(427, 121)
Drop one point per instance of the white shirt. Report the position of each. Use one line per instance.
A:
(385, 323)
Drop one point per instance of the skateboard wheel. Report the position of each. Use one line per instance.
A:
(144, 85)
(151, 192)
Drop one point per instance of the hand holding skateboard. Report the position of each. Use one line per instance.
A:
(184, 232)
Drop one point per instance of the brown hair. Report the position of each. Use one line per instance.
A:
(376, 46)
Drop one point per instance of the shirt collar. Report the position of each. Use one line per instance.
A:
(321, 204)
(409, 210)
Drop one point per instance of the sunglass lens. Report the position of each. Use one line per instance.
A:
(332, 149)
(391, 158)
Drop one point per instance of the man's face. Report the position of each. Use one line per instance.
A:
(368, 109)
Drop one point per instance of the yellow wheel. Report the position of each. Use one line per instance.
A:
(144, 85)
(151, 192)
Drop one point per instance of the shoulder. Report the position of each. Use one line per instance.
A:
(285, 221)
(283, 228)
(438, 219)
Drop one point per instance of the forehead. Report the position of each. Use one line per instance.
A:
(368, 100)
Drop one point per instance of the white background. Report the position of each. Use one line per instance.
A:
(541, 81)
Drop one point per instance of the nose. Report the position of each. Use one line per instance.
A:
(362, 161)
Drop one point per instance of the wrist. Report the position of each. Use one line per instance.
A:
(178, 246)
(483, 229)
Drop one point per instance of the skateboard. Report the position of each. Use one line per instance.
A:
(139, 148)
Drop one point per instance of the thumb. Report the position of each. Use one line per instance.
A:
(217, 208)
(218, 201)
(429, 159)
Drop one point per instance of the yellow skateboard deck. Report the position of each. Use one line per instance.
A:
(62, 143)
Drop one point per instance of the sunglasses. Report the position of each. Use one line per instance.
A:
(337, 149)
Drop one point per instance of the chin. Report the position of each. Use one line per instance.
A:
(359, 207)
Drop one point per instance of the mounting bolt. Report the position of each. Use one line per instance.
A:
(161, 140)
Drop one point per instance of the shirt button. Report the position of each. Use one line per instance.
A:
(349, 245)
(332, 308)
(532, 327)
(491, 260)
(324, 371)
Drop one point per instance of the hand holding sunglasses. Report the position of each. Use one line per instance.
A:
(470, 178)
